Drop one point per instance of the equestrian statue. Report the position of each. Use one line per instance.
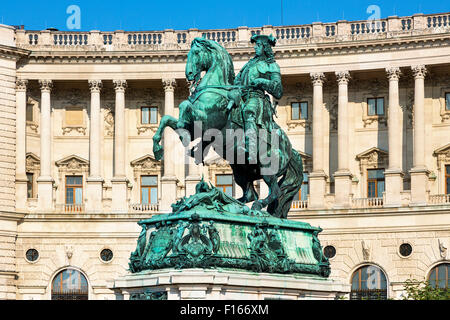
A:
(228, 103)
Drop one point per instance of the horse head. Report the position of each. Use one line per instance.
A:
(204, 55)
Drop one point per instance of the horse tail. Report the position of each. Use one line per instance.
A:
(290, 185)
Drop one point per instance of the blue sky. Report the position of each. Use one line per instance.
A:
(133, 15)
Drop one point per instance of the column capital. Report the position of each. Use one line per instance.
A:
(393, 73)
(419, 71)
(46, 85)
(317, 78)
(21, 85)
(343, 77)
(95, 85)
(120, 85)
(169, 84)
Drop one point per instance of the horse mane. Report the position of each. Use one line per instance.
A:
(220, 56)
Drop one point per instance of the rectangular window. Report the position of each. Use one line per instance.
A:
(74, 116)
(74, 189)
(225, 183)
(375, 183)
(149, 189)
(299, 110)
(29, 112)
(149, 115)
(375, 106)
(447, 101)
(304, 190)
(30, 185)
(447, 179)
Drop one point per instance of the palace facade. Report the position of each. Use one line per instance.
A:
(366, 103)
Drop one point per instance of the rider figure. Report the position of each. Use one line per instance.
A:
(261, 74)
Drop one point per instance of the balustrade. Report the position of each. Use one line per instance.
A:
(140, 207)
(367, 202)
(439, 199)
(120, 40)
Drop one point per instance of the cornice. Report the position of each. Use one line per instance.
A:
(13, 53)
(282, 51)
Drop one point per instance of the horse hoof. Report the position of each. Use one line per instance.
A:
(158, 152)
(257, 206)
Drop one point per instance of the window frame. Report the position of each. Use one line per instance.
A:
(149, 187)
(376, 107)
(149, 112)
(376, 182)
(300, 118)
(436, 270)
(447, 176)
(30, 183)
(222, 186)
(81, 293)
(358, 272)
(73, 186)
(447, 106)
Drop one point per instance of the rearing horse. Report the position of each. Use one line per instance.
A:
(209, 105)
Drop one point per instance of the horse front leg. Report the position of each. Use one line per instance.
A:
(166, 121)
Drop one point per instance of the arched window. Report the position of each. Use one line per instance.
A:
(69, 284)
(369, 282)
(439, 276)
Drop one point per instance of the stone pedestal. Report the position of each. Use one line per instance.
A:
(394, 187)
(317, 183)
(119, 195)
(94, 188)
(419, 186)
(45, 193)
(221, 284)
(343, 188)
(168, 192)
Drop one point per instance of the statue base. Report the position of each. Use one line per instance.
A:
(224, 284)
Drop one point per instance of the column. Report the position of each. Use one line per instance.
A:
(317, 178)
(45, 181)
(119, 181)
(169, 180)
(394, 174)
(94, 181)
(343, 177)
(193, 177)
(21, 133)
(419, 172)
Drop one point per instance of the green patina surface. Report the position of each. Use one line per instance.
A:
(211, 235)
